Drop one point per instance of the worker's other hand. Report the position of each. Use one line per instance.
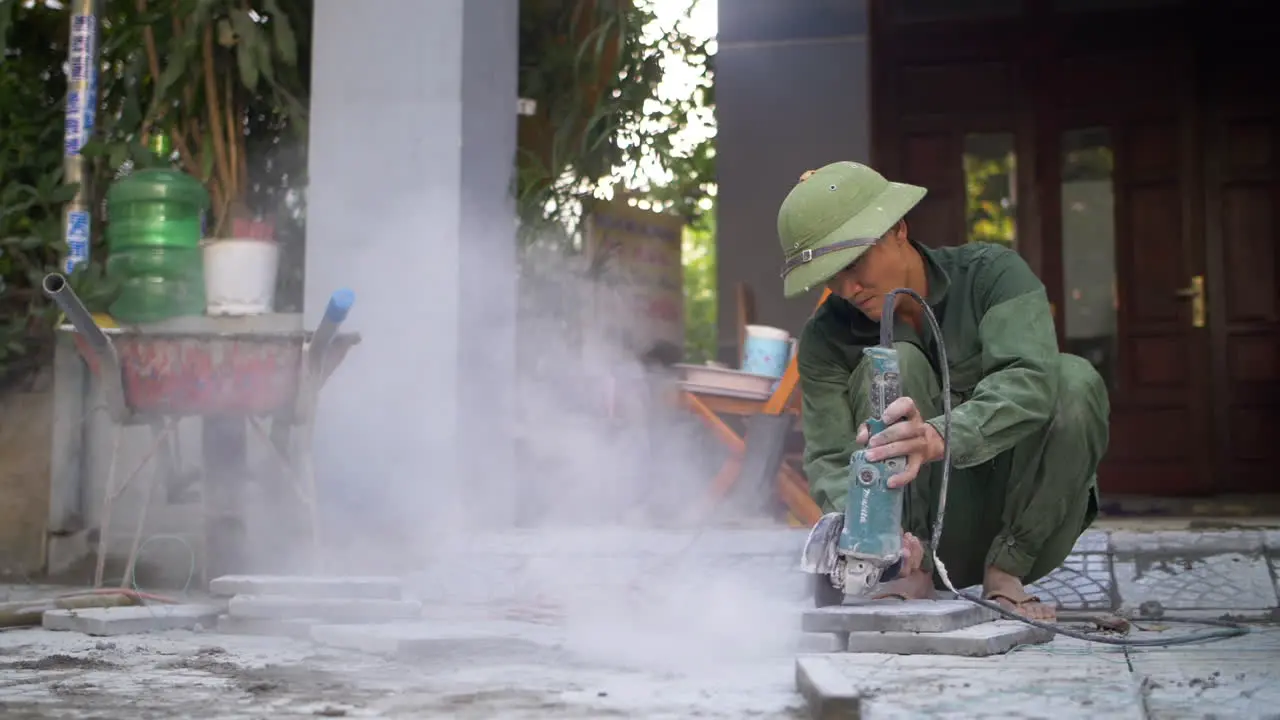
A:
(912, 554)
(908, 435)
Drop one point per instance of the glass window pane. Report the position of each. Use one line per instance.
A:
(1089, 248)
(990, 188)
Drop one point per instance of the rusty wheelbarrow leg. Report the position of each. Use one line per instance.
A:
(57, 288)
(109, 375)
(318, 361)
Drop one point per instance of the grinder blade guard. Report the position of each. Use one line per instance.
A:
(849, 552)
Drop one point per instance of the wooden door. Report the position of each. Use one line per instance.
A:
(1123, 233)
(1143, 188)
(1241, 199)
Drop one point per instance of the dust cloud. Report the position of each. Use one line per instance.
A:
(574, 482)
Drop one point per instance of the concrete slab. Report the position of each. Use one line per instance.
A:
(438, 639)
(1229, 582)
(273, 607)
(1072, 679)
(1236, 679)
(923, 616)
(298, 629)
(826, 691)
(1187, 542)
(991, 638)
(371, 588)
(105, 622)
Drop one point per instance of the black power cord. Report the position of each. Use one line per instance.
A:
(1226, 629)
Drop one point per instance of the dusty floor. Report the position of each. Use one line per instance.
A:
(716, 638)
(182, 674)
(193, 674)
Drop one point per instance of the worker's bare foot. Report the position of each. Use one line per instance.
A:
(917, 585)
(1008, 591)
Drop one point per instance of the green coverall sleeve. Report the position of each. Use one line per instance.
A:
(830, 433)
(1019, 385)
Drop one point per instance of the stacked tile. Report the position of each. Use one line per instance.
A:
(921, 627)
(291, 605)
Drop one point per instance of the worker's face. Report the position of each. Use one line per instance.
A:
(880, 269)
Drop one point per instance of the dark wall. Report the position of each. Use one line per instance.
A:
(792, 94)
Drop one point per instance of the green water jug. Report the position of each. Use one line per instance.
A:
(155, 221)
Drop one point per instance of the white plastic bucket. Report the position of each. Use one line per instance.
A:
(240, 276)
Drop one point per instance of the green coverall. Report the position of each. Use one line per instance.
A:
(1029, 425)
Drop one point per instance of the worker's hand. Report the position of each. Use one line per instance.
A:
(908, 435)
(912, 554)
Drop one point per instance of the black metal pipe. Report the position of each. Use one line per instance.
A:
(57, 288)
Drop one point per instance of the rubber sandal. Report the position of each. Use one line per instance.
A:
(887, 596)
(1017, 604)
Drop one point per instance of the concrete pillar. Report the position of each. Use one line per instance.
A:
(411, 157)
(792, 93)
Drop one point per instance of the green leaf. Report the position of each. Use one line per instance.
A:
(246, 51)
(286, 43)
(118, 154)
(7, 10)
(174, 70)
(61, 194)
(94, 148)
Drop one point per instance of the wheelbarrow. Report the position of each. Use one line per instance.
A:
(224, 375)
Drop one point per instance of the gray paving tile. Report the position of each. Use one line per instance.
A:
(1233, 678)
(1092, 541)
(922, 616)
(381, 588)
(1228, 581)
(1039, 682)
(1084, 582)
(299, 629)
(106, 622)
(826, 691)
(279, 607)
(1184, 542)
(989, 638)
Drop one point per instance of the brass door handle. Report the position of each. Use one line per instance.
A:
(1195, 293)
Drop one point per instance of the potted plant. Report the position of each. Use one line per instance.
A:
(208, 63)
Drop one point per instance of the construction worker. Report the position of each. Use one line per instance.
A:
(1029, 424)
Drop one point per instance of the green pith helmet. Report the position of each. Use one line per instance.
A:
(832, 216)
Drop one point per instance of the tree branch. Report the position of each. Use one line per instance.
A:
(220, 158)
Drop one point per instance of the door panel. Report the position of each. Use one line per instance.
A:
(1124, 250)
(1149, 156)
(1242, 192)
(929, 159)
(1154, 257)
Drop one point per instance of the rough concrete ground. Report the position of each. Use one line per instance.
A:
(1235, 678)
(185, 674)
(615, 628)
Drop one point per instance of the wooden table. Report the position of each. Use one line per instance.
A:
(793, 489)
